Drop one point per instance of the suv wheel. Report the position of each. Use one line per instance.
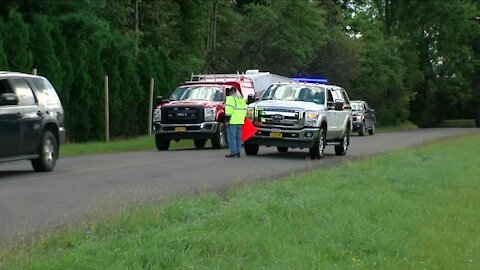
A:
(162, 144)
(251, 149)
(372, 130)
(282, 149)
(363, 130)
(199, 143)
(219, 140)
(342, 148)
(316, 152)
(48, 153)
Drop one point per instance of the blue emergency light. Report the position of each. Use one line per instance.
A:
(311, 80)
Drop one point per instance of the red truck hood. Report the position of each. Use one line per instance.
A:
(193, 102)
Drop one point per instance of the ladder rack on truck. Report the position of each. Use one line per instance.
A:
(215, 77)
(244, 84)
(251, 78)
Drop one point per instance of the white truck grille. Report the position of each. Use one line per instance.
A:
(279, 117)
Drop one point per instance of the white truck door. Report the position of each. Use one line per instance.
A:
(346, 111)
(332, 114)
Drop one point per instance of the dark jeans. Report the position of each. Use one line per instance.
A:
(234, 137)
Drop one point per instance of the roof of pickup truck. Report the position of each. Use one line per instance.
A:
(14, 73)
(309, 83)
(243, 84)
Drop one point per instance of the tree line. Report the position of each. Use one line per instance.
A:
(414, 60)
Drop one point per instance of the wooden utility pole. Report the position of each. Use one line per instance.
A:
(107, 122)
(150, 107)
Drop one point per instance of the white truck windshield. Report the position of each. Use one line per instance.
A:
(295, 93)
(356, 106)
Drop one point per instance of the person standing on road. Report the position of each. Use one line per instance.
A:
(235, 113)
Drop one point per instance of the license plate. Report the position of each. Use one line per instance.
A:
(275, 134)
(181, 129)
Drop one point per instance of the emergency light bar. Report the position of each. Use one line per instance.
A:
(311, 80)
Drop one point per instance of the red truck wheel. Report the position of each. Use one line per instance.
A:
(199, 143)
(219, 140)
(161, 143)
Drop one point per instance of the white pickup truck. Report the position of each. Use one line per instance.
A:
(301, 115)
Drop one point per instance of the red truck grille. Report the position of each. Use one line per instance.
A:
(182, 115)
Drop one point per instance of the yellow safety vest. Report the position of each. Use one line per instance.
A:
(236, 108)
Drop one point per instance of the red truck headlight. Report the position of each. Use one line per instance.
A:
(210, 114)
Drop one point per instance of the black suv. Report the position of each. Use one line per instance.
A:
(31, 120)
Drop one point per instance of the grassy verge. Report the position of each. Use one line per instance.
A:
(468, 123)
(136, 144)
(410, 209)
(148, 142)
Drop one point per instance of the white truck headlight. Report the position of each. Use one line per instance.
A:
(251, 113)
(210, 114)
(311, 118)
(157, 115)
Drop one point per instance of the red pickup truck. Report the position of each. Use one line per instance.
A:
(196, 109)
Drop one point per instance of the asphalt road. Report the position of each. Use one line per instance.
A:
(81, 187)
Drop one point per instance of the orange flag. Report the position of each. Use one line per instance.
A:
(248, 129)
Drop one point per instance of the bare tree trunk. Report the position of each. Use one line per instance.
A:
(210, 51)
(476, 80)
(476, 95)
(136, 28)
(477, 115)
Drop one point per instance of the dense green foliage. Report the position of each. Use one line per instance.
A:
(412, 60)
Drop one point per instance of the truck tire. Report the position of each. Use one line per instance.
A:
(363, 130)
(219, 140)
(371, 131)
(48, 153)
(199, 143)
(282, 149)
(316, 152)
(342, 148)
(162, 144)
(251, 149)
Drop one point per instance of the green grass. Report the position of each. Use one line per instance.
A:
(467, 123)
(136, 144)
(410, 209)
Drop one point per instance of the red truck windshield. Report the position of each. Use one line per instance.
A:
(198, 92)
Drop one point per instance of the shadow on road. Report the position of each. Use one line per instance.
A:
(5, 175)
(291, 154)
(191, 148)
(297, 154)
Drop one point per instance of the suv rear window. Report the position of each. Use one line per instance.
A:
(46, 94)
(5, 87)
(23, 91)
